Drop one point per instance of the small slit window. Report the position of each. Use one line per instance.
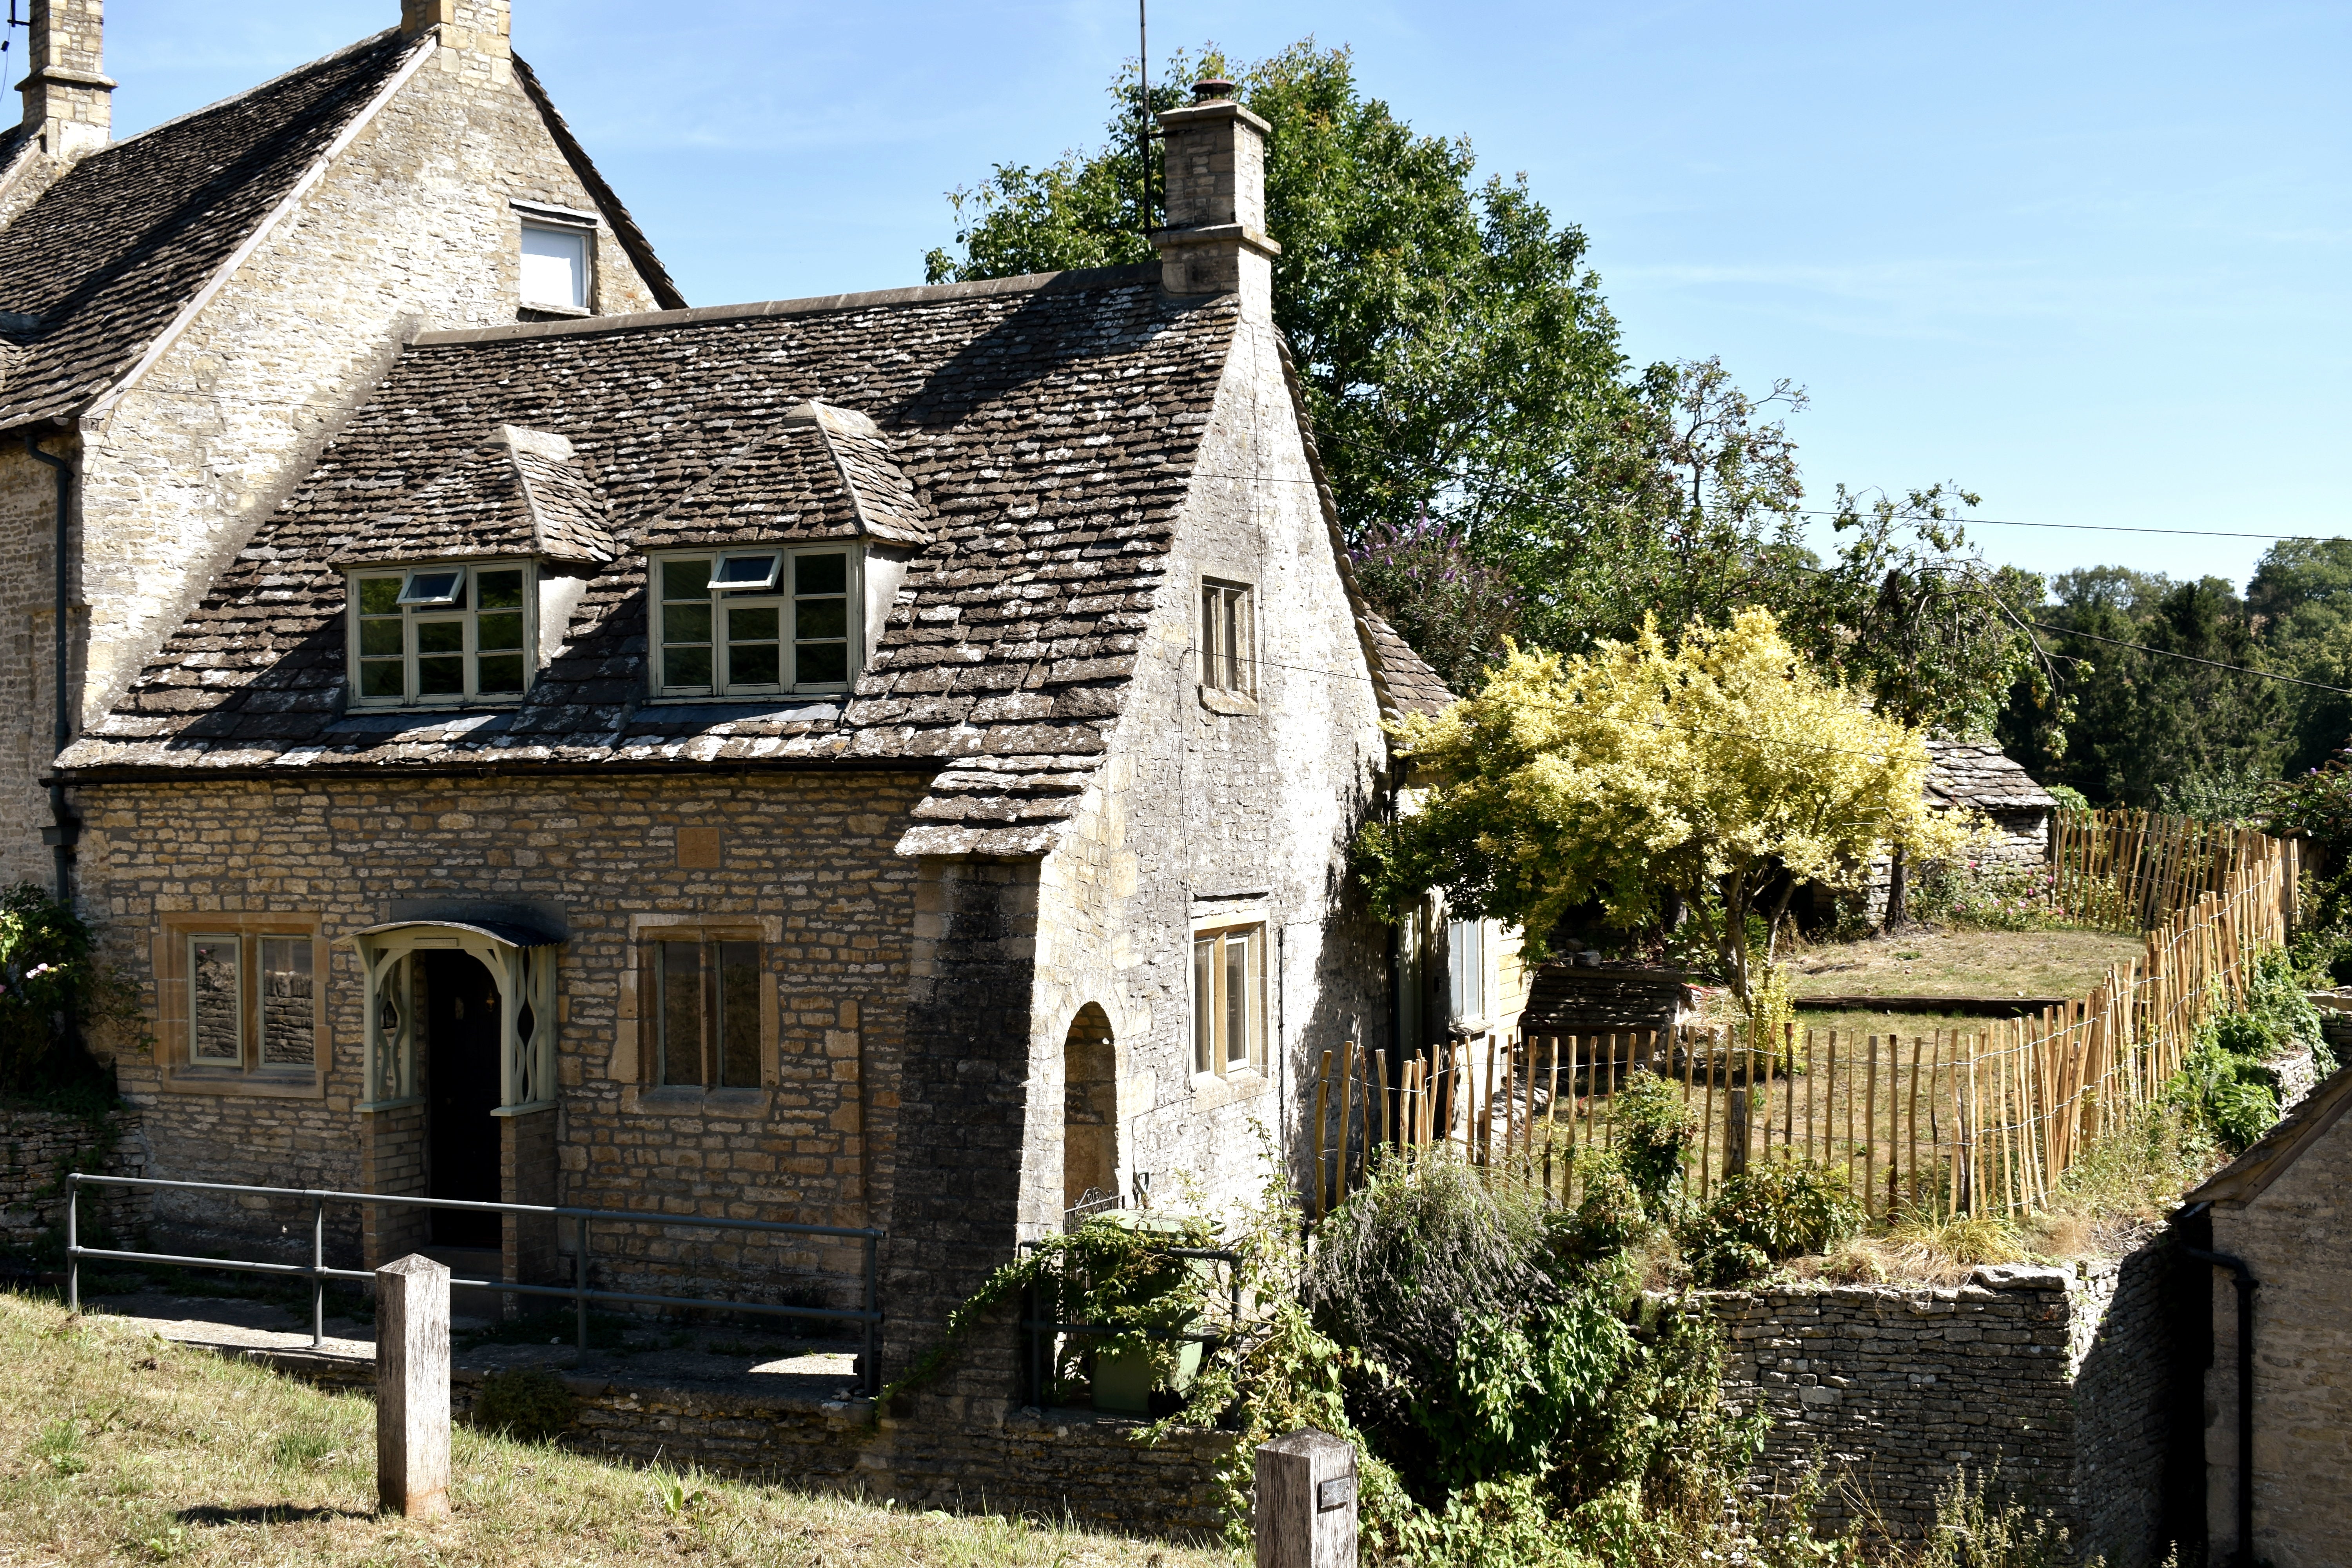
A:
(555, 266)
(1229, 1000)
(1228, 637)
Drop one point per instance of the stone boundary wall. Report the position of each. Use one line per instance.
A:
(1053, 1463)
(38, 1147)
(2060, 1378)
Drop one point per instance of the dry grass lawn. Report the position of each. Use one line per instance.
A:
(1961, 963)
(116, 1446)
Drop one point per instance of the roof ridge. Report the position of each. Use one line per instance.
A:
(1073, 279)
(256, 88)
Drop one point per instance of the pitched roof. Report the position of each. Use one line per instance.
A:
(1407, 683)
(1045, 428)
(2245, 1178)
(1982, 776)
(111, 253)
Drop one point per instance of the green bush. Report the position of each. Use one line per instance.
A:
(527, 1403)
(1771, 1211)
(50, 988)
(2228, 1093)
(1655, 1128)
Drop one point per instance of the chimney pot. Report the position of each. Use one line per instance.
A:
(1215, 241)
(1208, 90)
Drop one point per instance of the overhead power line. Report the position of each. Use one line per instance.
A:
(2170, 653)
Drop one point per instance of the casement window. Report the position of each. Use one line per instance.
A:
(1228, 637)
(707, 1014)
(1229, 1000)
(1465, 943)
(555, 260)
(754, 622)
(442, 635)
(252, 1003)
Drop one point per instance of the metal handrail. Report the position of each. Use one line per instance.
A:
(1039, 1330)
(869, 1316)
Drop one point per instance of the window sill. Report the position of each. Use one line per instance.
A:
(1218, 701)
(674, 1099)
(569, 313)
(234, 1085)
(1210, 1092)
(454, 705)
(833, 696)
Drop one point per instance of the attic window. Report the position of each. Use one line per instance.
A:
(554, 266)
(747, 623)
(442, 635)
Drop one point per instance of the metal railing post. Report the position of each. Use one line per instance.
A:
(73, 1241)
(873, 1368)
(580, 1286)
(317, 1272)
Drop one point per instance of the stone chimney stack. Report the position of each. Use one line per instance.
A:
(1215, 241)
(473, 34)
(68, 98)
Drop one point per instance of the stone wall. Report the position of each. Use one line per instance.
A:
(38, 1147)
(804, 860)
(2291, 1234)
(2060, 1378)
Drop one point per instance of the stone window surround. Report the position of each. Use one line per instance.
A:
(1239, 695)
(1214, 1089)
(636, 1060)
(532, 653)
(782, 598)
(181, 1075)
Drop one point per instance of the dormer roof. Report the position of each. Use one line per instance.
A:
(518, 491)
(820, 471)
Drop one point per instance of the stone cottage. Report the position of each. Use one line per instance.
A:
(887, 760)
(187, 314)
(2271, 1229)
(1979, 776)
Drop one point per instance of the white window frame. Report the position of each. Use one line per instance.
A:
(1228, 640)
(1212, 1051)
(414, 615)
(584, 236)
(722, 685)
(1466, 966)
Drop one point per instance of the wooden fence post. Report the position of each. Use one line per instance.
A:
(1305, 1503)
(412, 1388)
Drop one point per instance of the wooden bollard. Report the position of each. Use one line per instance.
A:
(1306, 1502)
(412, 1388)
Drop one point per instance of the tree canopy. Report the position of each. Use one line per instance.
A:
(1718, 769)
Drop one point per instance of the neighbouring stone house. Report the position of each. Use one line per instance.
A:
(2280, 1217)
(887, 760)
(1979, 776)
(187, 314)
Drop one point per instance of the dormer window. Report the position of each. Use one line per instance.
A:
(754, 622)
(442, 635)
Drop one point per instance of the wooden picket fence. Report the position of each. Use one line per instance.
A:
(2131, 870)
(1982, 1119)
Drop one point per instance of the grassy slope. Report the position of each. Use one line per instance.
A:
(116, 1446)
(1962, 964)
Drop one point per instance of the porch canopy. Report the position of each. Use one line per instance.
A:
(521, 962)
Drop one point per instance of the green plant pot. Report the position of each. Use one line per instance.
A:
(1123, 1382)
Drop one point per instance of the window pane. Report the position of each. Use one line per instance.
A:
(440, 636)
(1237, 993)
(498, 590)
(741, 571)
(1208, 637)
(739, 1014)
(379, 596)
(686, 667)
(381, 637)
(382, 677)
(1204, 1003)
(686, 624)
(680, 1013)
(748, 624)
(288, 1015)
(441, 677)
(823, 664)
(499, 674)
(754, 664)
(498, 633)
(555, 266)
(686, 579)
(212, 999)
(442, 587)
(821, 619)
(821, 573)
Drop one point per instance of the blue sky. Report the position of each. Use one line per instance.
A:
(2089, 261)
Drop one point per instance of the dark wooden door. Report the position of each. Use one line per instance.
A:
(461, 1033)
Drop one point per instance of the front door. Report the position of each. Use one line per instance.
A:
(461, 1075)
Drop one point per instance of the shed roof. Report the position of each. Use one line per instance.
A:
(1981, 775)
(2244, 1178)
(1043, 431)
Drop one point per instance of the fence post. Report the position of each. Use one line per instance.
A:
(1306, 1515)
(412, 1388)
(73, 1242)
(317, 1272)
